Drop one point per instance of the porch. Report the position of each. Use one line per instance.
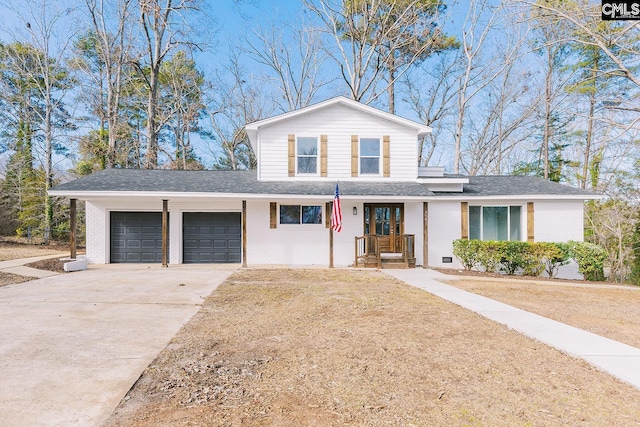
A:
(370, 252)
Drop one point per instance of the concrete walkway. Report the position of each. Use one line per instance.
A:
(17, 266)
(72, 345)
(618, 359)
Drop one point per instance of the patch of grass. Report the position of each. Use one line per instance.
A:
(348, 347)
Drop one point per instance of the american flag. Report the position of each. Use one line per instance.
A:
(336, 212)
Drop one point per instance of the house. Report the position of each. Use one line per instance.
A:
(392, 210)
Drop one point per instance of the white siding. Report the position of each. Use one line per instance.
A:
(97, 233)
(289, 244)
(338, 123)
(558, 220)
(444, 228)
(554, 221)
(308, 244)
(413, 224)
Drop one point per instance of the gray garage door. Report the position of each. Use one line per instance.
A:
(136, 237)
(211, 237)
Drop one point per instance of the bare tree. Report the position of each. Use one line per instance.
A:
(111, 33)
(294, 57)
(617, 41)
(164, 27)
(39, 55)
(502, 123)
(234, 102)
(481, 21)
(431, 92)
(182, 106)
(381, 39)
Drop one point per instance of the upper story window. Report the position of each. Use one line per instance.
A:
(307, 155)
(495, 222)
(369, 156)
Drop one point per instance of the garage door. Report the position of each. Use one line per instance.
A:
(211, 237)
(136, 237)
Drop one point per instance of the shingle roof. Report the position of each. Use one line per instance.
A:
(506, 185)
(245, 182)
(232, 182)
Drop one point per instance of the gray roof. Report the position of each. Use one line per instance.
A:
(507, 185)
(232, 182)
(245, 182)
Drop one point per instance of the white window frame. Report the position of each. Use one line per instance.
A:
(317, 156)
(523, 212)
(379, 157)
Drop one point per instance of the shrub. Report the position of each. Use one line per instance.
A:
(515, 256)
(534, 259)
(490, 255)
(590, 259)
(554, 256)
(531, 259)
(467, 252)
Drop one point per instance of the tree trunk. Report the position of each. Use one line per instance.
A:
(152, 108)
(48, 135)
(547, 113)
(391, 87)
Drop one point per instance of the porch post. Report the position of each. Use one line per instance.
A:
(244, 233)
(165, 234)
(72, 228)
(425, 235)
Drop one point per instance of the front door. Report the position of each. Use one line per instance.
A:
(387, 222)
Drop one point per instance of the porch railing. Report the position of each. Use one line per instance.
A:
(367, 250)
(408, 249)
(368, 254)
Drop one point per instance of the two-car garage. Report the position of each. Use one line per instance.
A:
(207, 237)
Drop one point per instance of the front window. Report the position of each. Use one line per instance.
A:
(495, 222)
(296, 214)
(370, 156)
(307, 155)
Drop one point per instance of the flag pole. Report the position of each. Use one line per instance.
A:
(336, 222)
(331, 246)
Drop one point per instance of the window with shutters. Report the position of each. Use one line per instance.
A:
(495, 222)
(307, 155)
(370, 156)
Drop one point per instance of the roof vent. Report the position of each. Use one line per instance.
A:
(430, 172)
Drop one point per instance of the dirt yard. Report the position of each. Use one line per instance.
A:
(348, 347)
(13, 250)
(607, 310)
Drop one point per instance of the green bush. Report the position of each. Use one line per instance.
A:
(530, 259)
(534, 258)
(467, 252)
(491, 254)
(554, 256)
(590, 259)
(515, 256)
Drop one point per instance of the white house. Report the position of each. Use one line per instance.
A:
(279, 214)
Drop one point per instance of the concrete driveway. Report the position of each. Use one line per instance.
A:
(72, 345)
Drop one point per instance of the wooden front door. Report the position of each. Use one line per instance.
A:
(386, 220)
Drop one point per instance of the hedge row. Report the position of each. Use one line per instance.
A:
(530, 259)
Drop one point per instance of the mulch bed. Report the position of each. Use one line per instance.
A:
(52, 264)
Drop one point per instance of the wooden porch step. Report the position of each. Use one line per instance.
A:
(387, 261)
